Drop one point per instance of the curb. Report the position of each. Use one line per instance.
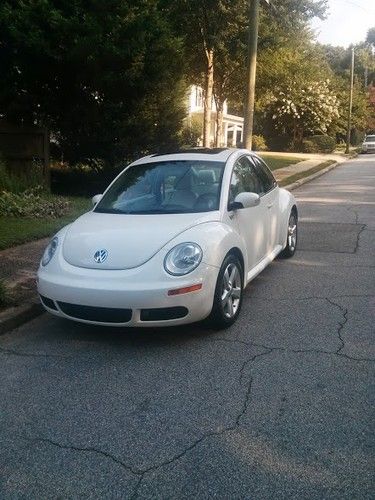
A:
(16, 316)
(311, 177)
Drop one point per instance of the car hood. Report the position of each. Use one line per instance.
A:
(130, 240)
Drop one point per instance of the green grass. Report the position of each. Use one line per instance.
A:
(275, 162)
(301, 175)
(17, 230)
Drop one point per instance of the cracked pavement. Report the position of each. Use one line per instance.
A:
(278, 406)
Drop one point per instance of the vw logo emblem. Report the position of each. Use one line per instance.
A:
(100, 256)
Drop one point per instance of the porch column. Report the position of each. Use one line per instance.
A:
(234, 140)
(225, 138)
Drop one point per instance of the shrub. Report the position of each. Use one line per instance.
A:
(191, 133)
(324, 143)
(309, 146)
(17, 182)
(81, 181)
(278, 142)
(259, 143)
(32, 203)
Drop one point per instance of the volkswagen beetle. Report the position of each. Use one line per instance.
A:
(174, 239)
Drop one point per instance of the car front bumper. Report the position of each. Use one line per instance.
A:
(134, 297)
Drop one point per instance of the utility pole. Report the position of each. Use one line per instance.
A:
(251, 73)
(350, 104)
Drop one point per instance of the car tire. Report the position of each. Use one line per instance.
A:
(228, 294)
(292, 236)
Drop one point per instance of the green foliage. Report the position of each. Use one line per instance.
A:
(309, 146)
(105, 77)
(259, 143)
(323, 143)
(17, 182)
(304, 106)
(81, 180)
(32, 203)
(191, 132)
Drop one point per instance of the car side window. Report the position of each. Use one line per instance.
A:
(267, 179)
(244, 179)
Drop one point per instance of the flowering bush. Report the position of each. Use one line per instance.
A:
(303, 108)
(32, 203)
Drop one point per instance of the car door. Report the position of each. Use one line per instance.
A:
(251, 222)
(269, 194)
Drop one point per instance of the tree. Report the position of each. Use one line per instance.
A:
(370, 38)
(94, 72)
(305, 107)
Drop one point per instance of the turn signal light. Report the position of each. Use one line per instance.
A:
(186, 289)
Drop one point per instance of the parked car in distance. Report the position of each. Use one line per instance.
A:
(174, 239)
(368, 145)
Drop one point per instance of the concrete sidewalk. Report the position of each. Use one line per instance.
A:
(305, 164)
(18, 265)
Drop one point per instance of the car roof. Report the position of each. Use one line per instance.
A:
(200, 154)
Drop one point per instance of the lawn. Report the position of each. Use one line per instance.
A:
(275, 161)
(14, 230)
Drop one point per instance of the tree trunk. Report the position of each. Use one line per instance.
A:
(208, 98)
(219, 122)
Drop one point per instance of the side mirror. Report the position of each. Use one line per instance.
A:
(95, 199)
(245, 200)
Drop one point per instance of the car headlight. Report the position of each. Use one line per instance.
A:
(183, 259)
(50, 251)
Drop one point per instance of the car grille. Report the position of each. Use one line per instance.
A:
(100, 314)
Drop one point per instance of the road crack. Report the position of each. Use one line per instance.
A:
(140, 472)
(344, 311)
(363, 227)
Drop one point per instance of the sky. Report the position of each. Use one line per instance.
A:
(347, 22)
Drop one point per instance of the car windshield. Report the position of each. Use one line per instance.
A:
(167, 187)
(370, 138)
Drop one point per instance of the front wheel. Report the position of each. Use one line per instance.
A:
(228, 294)
(291, 241)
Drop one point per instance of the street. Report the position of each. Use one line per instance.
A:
(278, 406)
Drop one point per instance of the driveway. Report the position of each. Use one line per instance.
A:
(278, 406)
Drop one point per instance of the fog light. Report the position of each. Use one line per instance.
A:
(186, 289)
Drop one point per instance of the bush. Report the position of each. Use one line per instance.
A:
(309, 146)
(32, 203)
(80, 181)
(278, 142)
(18, 182)
(259, 143)
(324, 143)
(191, 133)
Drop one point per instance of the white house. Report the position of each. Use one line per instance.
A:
(232, 124)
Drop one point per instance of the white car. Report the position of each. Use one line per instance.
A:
(368, 145)
(174, 239)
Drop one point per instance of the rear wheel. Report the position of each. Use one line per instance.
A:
(291, 241)
(228, 294)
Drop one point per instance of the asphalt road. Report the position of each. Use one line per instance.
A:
(278, 406)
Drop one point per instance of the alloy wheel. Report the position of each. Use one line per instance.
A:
(231, 290)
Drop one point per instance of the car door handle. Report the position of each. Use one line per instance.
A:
(270, 205)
